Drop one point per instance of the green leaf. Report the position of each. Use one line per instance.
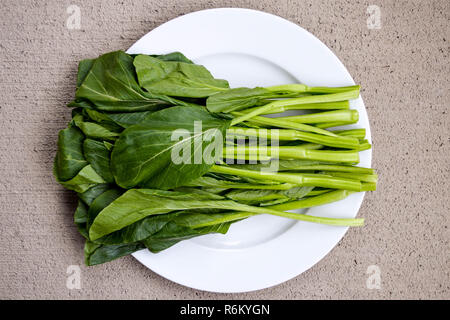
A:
(85, 179)
(173, 233)
(200, 218)
(98, 156)
(151, 225)
(80, 219)
(176, 78)
(89, 195)
(110, 85)
(139, 230)
(97, 116)
(144, 153)
(108, 145)
(69, 159)
(136, 204)
(237, 99)
(268, 197)
(71, 168)
(94, 130)
(119, 120)
(83, 69)
(100, 203)
(173, 56)
(126, 120)
(96, 253)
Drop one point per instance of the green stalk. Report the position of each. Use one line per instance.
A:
(287, 152)
(205, 183)
(357, 133)
(292, 135)
(282, 187)
(336, 168)
(316, 192)
(278, 122)
(326, 125)
(328, 116)
(352, 175)
(328, 167)
(364, 145)
(301, 88)
(229, 154)
(307, 106)
(346, 95)
(305, 165)
(279, 210)
(315, 180)
(310, 146)
(368, 186)
(319, 200)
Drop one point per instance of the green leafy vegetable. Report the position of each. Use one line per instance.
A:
(268, 197)
(159, 151)
(80, 219)
(110, 85)
(237, 99)
(173, 233)
(98, 156)
(94, 130)
(174, 78)
(143, 155)
(98, 253)
(69, 159)
(100, 203)
(85, 179)
(137, 204)
(92, 193)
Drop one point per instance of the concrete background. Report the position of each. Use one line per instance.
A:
(403, 68)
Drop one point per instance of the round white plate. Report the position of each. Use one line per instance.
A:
(252, 48)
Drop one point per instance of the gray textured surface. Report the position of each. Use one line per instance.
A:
(403, 68)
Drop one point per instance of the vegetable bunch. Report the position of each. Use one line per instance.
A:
(131, 115)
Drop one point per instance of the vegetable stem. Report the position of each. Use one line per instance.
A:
(357, 133)
(363, 177)
(301, 88)
(325, 125)
(316, 180)
(280, 210)
(347, 142)
(364, 145)
(279, 122)
(346, 95)
(328, 116)
(287, 152)
(342, 105)
(326, 167)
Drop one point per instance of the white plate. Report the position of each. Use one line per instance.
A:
(252, 48)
